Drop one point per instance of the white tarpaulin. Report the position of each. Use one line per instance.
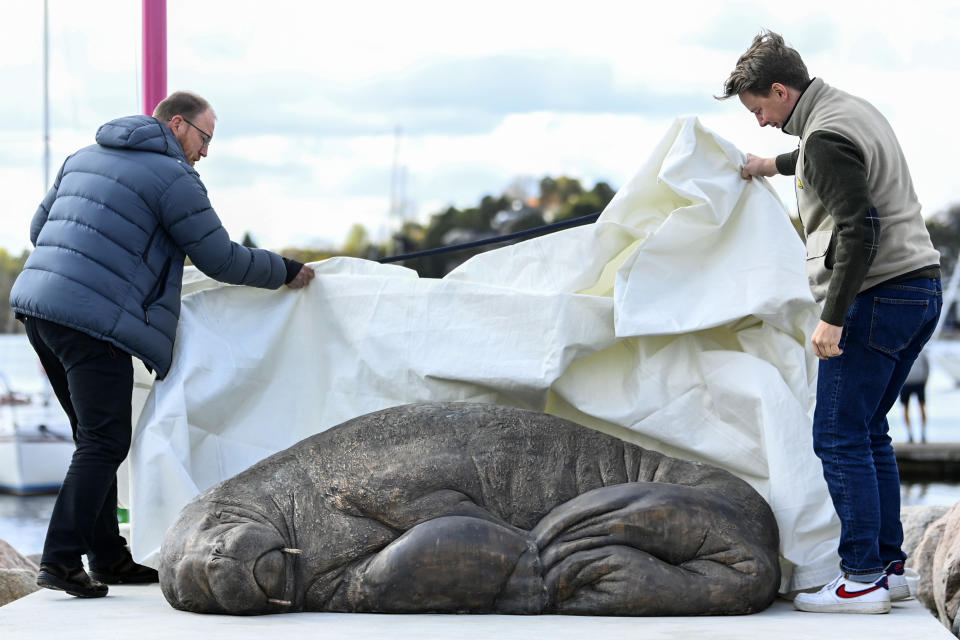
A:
(677, 321)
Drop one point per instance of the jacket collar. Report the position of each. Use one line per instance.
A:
(797, 121)
(140, 133)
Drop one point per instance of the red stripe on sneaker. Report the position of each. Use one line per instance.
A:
(843, 593)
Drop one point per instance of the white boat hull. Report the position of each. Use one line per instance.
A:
(33, 464)
(36, 443)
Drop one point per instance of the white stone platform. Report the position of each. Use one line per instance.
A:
(140, 612)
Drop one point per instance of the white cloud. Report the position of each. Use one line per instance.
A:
(309, 94)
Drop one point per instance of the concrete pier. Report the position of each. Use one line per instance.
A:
(140, 613)
(933, 461)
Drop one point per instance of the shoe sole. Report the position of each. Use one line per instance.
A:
(844, 607)
(900, 592)
(48, 581)
(109, 579)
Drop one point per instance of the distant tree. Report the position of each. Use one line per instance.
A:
(548, 188)
(248, 241)
(581, 203)
(569, 187)
(357, 242)
(408, 239)
(440, 224)
(944, 228)
(10, 268)
(307, 255)
(604, 192)
(566, 196)
(558, 196)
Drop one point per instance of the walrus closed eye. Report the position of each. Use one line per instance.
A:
(473, 508)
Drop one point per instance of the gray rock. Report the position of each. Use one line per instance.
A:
(11, 559)
(16, 583)
(916, 519)
(923, 562)
(946, 568)
(477, 509)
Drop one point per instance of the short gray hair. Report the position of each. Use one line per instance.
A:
(768, 60)
(181, 103)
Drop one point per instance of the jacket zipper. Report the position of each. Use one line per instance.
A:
(146, 249)
(157, 292)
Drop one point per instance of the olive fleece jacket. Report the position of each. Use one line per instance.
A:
(855, 199)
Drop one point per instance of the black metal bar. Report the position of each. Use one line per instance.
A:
(563, 224)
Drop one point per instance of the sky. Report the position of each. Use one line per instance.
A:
(320, 103)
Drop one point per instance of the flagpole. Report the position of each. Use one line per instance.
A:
(154, 53)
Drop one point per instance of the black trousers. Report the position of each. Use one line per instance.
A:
(93, 381)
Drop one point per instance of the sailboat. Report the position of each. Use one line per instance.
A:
(36, 442)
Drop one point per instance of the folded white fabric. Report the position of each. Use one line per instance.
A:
(678, 321)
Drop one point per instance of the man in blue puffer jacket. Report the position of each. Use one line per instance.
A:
(102, 285)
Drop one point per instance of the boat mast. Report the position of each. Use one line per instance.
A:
(46, 98)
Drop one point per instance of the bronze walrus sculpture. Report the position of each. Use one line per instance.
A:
(473, 508)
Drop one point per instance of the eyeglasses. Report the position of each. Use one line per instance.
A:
(206, 136)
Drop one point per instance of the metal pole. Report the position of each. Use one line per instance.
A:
(46, 98)
(154, 53)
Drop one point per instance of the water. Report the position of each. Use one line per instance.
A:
(23, 521)
(929, 493)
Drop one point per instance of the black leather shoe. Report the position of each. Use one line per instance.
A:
(125, 571)
(74, 581)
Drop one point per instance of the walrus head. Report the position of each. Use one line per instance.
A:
(221, 558)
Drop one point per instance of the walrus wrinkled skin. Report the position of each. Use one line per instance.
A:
(473, 508)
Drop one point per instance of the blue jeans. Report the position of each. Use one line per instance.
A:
(884, 331)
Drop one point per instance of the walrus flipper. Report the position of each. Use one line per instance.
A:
(652, 548)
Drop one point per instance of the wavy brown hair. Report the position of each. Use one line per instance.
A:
(768, 60)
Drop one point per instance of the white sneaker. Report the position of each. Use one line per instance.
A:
(897, 582)
(847, 596)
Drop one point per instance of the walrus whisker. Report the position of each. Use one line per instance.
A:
(282, 603)
(294, 552)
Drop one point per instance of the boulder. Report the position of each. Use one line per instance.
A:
(923, 561)
(16, 583)
(11, 559)
(946, 568)
(18, 574)
(916, 519)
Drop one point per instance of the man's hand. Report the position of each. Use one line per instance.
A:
(757, 166)
(302, 279)
(826, 340)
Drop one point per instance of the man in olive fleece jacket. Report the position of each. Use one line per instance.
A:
(876, 274)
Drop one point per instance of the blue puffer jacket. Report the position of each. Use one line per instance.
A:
(111, 236)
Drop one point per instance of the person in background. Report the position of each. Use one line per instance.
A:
(916, 384)
(876, 274)
(102, 285)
